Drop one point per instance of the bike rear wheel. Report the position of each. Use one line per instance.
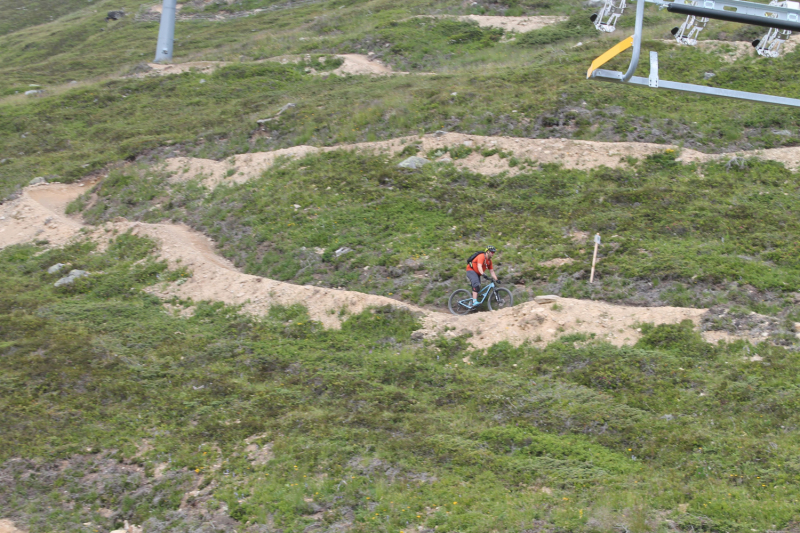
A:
(500, 299)
(455, 305)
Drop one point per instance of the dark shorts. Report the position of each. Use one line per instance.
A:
(474, 280)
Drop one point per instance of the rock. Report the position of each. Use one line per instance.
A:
(546, 299)
(287, 106)
(708, 75)
(785, 133)
(418, 335)
(413, 264)
(413, 162)
(439, 133)
(797, 327)
(34, 92)
(667, 417)
(395, 272)
(71, 277)
(55, 268)
(445, 159)
(37, 181)
(115, 15)
(341, 251)
(580, 274)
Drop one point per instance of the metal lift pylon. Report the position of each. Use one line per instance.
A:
(730, 10)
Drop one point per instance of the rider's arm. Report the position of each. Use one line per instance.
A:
(480, 268)
(494, 276)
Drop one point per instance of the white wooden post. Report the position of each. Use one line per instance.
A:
(594, 258)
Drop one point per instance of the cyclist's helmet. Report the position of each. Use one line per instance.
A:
(491, 249)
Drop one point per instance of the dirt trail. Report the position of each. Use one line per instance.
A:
(353, 65)
(39, 214)
(515, 24)
(577, 154)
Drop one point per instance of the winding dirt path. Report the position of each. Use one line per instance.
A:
(570, 153)
(39, 214)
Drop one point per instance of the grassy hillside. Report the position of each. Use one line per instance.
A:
(674, 234)
(73, 130)
(175, 414)
(282, 424)
(19, 15)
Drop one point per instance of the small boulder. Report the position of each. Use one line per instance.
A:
(413, 162)
(395, 272)
(71, 277)
(546, 299)
(37, 181)
(34, 92)
(55, 268)
(708, 75)
(341, 251)
(413, 264)
(115, 15)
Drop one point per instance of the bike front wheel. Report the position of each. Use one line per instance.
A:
(500, 299)
(457, 301)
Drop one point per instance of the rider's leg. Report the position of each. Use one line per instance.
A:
(475, 283)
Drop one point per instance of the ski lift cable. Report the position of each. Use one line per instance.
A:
(772, 16)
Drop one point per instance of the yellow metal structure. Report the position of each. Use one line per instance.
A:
(610, 54)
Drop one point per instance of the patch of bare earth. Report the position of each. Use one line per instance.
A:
(39, 214)
(510, 24)
(7, 526)
(353, 65)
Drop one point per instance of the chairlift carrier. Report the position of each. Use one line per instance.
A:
(781, 18)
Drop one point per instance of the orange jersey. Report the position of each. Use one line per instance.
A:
(480, 259)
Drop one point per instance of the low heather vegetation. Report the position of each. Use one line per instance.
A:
(119, 406)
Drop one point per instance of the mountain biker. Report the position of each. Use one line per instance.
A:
(478, 267)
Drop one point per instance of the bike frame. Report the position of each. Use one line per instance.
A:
(484, 292)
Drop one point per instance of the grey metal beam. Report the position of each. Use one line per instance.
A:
(637, 41)
(166, 31)
(759, 19)
(616, 77)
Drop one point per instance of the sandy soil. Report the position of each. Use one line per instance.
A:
(569, 153)
(515, 24)
(161, 69)
(354, 64)
(39, 214)
(7, 526)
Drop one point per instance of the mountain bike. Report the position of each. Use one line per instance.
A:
(460, 302)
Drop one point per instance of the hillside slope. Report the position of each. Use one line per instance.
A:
(226, 310)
